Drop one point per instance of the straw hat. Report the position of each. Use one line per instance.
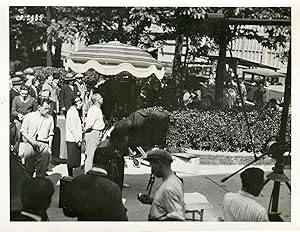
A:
(69, 77)
(19, 74)
(79, 76)
(16, 80)
(28, 71)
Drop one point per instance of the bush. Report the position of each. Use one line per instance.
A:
(41, 73)
(222, 130)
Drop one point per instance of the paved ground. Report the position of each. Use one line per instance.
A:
(202, 181)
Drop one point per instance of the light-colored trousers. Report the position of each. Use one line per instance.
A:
(92, 140)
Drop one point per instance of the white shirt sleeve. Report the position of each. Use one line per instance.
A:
(74, 125)
(172, 205)
(25, 124)
(90, 118)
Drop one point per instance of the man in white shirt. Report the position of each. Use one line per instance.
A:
(93, 129)
(73, 135)
(168, 201)
(241, 206)
(37, 130)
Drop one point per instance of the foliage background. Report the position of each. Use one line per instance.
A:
(222, 130)
(206, 129)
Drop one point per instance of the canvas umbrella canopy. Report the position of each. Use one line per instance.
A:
(114, 57)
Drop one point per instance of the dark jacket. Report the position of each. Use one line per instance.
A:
(18, 173)
(52, 112)
(12, 94)
(94, 197)
(66, 95)
(115, 170)
(258, 97)
(32, 93)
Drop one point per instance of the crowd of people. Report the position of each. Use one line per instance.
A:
(95, 195)
(34, 108)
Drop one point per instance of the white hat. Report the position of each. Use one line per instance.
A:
(79, 76)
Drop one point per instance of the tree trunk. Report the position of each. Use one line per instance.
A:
(177, 54)
(186, 51)
(49, 39)
(57, 55)
(220, 72)
(49, 52)
(120, 31)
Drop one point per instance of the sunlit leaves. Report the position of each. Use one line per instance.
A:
(219, 130)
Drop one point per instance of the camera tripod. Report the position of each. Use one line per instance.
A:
(278, 177)
(275, 147)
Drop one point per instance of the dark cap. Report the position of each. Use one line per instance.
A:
(55, 75)
(159, 154)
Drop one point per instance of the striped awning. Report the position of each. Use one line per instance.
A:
(114, 57)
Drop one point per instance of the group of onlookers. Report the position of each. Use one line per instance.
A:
(203, 96)
(34, 109)
(97, 194)
(33, 122)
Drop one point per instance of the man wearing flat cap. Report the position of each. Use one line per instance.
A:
(168, 202)
(80, 85)
(68, 91)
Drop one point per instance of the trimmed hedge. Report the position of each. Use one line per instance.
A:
(222, 130)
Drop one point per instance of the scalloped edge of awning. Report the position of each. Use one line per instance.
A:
(114, 70)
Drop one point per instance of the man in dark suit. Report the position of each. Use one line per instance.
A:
(14, 91)
(93, 196)
(68, 91)
(34, 88)
(36, 198)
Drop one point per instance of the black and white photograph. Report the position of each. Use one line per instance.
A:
(176, 114)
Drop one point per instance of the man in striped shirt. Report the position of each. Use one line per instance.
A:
(241, 206)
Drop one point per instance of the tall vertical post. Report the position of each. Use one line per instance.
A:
(49, 38)
(220, 70)
(279, 165)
